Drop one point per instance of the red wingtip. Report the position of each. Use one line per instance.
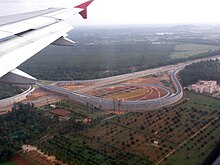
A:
(84, 7)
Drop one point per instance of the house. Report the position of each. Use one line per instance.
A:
(62, 114)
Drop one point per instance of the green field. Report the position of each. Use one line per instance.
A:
(80, 111)
(188, 50)
(196, 149)
(8, 163)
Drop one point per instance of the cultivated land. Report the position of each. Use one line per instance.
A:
(189, 50)
(184, 133)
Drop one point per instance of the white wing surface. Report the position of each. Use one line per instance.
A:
(24, 35)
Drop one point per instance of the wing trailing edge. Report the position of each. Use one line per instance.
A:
(24, 35)
(17, 76)
(63, 41)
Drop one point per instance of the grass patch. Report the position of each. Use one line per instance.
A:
(8, 163)
(188, 50)
(81, 111)
(130, 94)
(165, 82)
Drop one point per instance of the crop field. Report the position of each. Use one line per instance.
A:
(31, 157)
(73, 85)
(182, 134)
(188, 50)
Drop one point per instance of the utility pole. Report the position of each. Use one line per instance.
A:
(114, 105)
(119, 109)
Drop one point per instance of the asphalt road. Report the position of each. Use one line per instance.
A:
(122, 105)
(79, 96)
(125, 77)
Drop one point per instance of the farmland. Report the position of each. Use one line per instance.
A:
(188, 50)
(184, 133)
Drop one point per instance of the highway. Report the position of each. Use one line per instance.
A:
(170, 98)
(129, 76)
(20, 97)
(78, 95)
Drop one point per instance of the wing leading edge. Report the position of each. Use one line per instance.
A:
(24, 35)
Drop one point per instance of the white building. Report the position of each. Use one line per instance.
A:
(205, 86)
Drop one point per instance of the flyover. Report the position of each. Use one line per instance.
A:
(116, 79)
(20, 97)
(119, 104)
(79, 96)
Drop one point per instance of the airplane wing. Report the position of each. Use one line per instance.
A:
(24, 35)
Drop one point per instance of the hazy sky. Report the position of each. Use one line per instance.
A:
(103, 12)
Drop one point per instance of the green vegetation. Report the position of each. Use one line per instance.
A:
(96, 61)
(190, 128)
(127, 95)
(207, 70)
(8, 90)
(105, 52)
(198, 147)
(22, 126)
(81, 111)
(188, 50)
(165, 82)
(8, 163)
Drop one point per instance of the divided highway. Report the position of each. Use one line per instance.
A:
(123, 105)
(78, 95)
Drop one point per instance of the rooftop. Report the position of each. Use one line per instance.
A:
(61, 112)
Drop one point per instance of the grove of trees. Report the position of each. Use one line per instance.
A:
(206, 70)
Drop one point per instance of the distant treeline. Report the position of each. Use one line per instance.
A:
(109, 51)
(97, 61)
(206, 70)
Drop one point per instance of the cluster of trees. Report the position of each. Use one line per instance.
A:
(101, 60)
(22, 126)
(108, 52)
(206, 70)
(7, 90)
(96, 61)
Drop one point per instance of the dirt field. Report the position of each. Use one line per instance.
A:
(73, 86)
(136, 89)
(130, 93)
(30, 158)
(41, 97)
(38, 93)
(18, 160)
(149, 80)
